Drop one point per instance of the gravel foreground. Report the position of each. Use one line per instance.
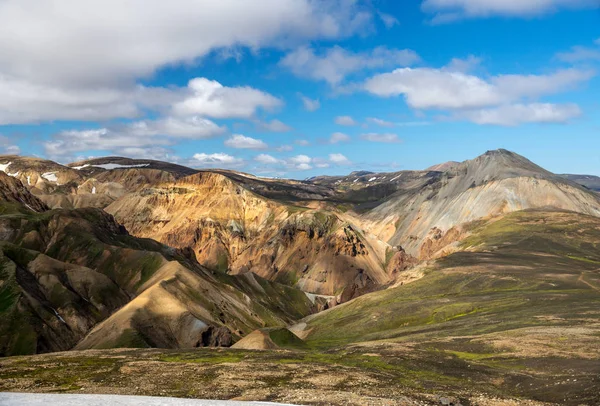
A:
(40, 399)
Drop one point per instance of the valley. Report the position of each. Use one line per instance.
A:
(476, 283)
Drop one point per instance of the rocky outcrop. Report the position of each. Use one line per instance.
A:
(13, 191)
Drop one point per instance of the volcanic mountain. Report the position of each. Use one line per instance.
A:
(115, 252)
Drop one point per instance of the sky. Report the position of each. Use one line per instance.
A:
(299, 88)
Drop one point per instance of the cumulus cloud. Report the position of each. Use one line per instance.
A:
(310, 104)
(267, 159)
(333, 65)
(24, 102)
(339, 137)
(380, 122)
(388, 20)
(512, 115)
(151, 35)
(463, 65)
(242, 142)
(275, 126)
(134, 139)
(339, 159)
(212, 99)
(81, 60)
(8, 147)
(376, 137)
(580, 53)
(428, 88)
(220, 160)
(345, 120)
(189, 127)
(445, 11)
(300, 162)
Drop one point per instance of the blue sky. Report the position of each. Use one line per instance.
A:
(298, 88)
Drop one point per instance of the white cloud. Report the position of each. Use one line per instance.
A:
(376, 137)
(339, 137)
(7, 146)
(267, 159)
(301, 159)
(113, 40)
(303, 143)
(451, 10)
(427, 88)
(512, 115)
(463, 65)
(242, 142)
(284, 148)
(335, 64)
(189, 127)
(220, 160)
(380, 122)
(134, 139)
(303, 167)
(25, 102)
(310, 104)
(345, 120)
(388, 20)
(212, 99)
(80, 60)
(580, 53)
(339, 159)
(156, 153)
(301, 162)
(275, 126)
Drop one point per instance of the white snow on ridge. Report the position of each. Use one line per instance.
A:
(110, 167)
(40, 399)
(372, 179)
(80, 167)
(50, 177)
(4, 168)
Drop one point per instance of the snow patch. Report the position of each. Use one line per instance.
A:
(29, 181)
(4, 168)
(395, 178)
(110, 167)
(80, 167)
(50, 177)
(372, 179)
(94, 190)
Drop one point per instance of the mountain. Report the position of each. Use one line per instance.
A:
(498, 313)
(475, 281)
(589, 181)
(446, 166)
(95, 166)
(234, 229)
(76, 276)
(323, 241)
(426, 219)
